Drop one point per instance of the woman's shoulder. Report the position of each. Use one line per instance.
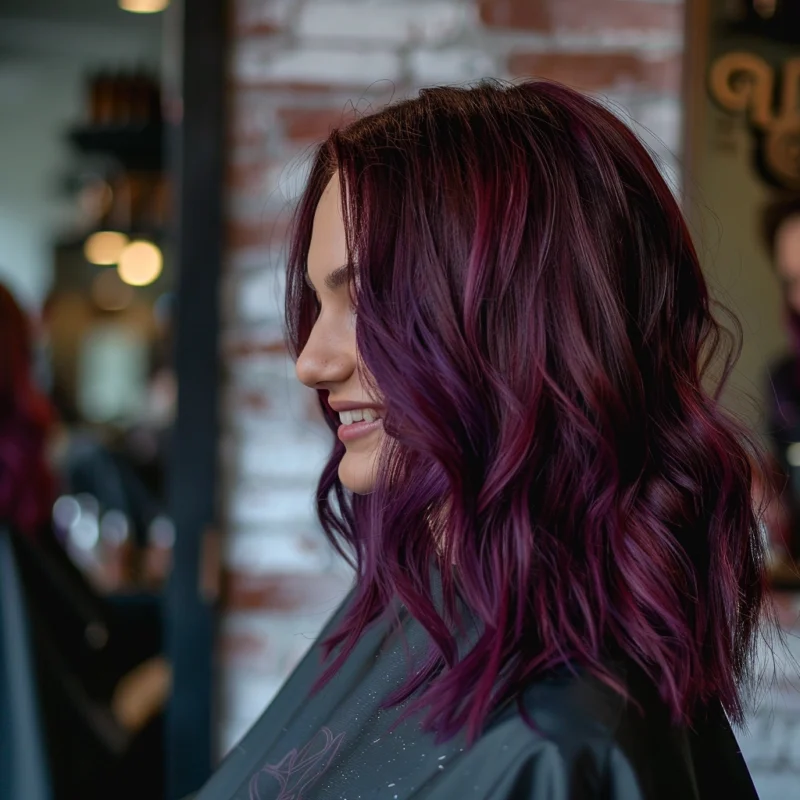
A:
(572, 730)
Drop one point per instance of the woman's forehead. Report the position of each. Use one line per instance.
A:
(327, 250)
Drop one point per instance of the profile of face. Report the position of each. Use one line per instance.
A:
(329, 361)
(787, 260)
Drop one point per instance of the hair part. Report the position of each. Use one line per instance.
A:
(533, 311)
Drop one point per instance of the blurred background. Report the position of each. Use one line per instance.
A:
(161, 570)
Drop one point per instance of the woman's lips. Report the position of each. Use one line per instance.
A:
(355, 430)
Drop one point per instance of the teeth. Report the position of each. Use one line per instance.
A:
(357, 415)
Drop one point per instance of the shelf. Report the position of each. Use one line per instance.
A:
(135, 147)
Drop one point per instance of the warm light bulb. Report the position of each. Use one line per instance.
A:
(143, 6)
(140, 263)
(104, 247)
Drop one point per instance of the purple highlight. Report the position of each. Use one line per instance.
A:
(531, 307)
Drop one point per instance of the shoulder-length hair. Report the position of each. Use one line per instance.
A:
(27, 484)
(530, 306)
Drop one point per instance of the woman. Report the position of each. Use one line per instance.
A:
(781, 235)
(559, 577)
(27, 485)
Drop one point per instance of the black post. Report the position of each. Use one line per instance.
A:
(196, 48)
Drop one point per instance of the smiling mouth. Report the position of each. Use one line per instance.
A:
(358, 423)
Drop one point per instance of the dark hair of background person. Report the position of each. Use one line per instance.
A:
(531, 306)
(27, 484)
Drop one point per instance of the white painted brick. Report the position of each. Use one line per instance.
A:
(243, 699)
(393, 24)
(257, 61)
(230, 732)
(455, 65)
(260, 296)
(259, 201)
(255, 258)
(269, 505)
(258, 552)
(249, 685)
(259, 369)
(656, 43)
(273, 412)
(659, 123)
(291, 178)
(253, 115)
(277, 451)
(287, 635)
(770, 743)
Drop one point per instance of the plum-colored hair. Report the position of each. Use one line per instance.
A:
(27, 485)
(531, 308)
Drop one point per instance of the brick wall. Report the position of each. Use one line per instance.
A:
(297, 68)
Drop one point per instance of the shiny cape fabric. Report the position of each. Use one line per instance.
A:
(586, 742)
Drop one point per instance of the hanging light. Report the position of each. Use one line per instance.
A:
(110, 293)
(141, 263)
(143, 6)
(104, 247)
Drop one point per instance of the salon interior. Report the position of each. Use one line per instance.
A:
(149, 155)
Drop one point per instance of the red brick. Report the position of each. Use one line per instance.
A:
(242, 646)
(250, 116)
(253, 234)
(290, 87)
(251, 17)
(526, 14)
(582, 15)
(282, 593)
(313, 124)
(245, 28)
(591, 15)
(253, 400)
(598, 71)
(245, 176)
(245, 346)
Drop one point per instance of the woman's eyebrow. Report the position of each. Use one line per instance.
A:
(333, 280)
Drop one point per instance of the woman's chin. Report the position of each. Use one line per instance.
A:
(357, 473)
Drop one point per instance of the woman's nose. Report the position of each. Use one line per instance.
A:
(325, 359)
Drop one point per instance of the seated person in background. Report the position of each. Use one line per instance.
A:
(781, 234)
(27, 484)
(100, 680)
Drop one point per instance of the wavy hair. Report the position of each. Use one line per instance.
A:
(531, 308)
(27, 485)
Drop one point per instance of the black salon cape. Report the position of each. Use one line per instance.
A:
(590, 745)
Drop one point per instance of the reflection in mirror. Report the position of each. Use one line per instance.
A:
(87, 393)
(743, 190)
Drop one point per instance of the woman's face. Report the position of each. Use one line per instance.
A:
(787, 260)
(329, 360)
